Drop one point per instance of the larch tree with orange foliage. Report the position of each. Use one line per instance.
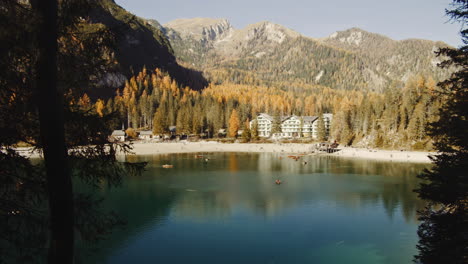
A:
(234, 123)
(100, 107)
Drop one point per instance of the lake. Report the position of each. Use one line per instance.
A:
(229, 210)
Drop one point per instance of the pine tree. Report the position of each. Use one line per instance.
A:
(321, 130)
(197, 120)
(443, 231)
(49, 47)
(160, 120)
(110, 106)
(254, 130)
(246, 133)
(276, 126)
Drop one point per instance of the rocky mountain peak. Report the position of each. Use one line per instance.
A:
(202, 29)
(356, 38)
(353, 36)
(269, 31)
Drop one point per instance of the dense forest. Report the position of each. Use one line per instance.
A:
(395, 118)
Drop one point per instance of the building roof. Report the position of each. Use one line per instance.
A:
(309, 119)
(118, 133)
(146, 133)
(267, 116)
(272, 118)
(306, 119)
(328, 115)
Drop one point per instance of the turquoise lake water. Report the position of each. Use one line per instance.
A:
(229, 210)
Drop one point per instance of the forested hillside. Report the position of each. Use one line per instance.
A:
(395, 118)
(137, 43)
(379, 90)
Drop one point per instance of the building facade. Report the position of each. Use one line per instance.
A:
(145, 134)
(264, 124)
(291, 126)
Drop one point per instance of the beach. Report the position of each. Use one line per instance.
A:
(286, 148)
(140, 148)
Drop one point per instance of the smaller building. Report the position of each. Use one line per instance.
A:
(292, 127)
(145, 135)
(118, 136)
(309, 128)
(222, 132)
(173, 130)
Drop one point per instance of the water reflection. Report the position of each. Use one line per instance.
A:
(237, 191)
(230, 181)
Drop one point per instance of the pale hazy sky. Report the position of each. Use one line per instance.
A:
(398, 19)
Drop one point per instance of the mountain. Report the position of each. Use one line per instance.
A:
(396, 59)
(197, 40)
(139, 43)
(270, 54)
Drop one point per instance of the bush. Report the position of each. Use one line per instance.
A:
(131, 133)
(22, 144)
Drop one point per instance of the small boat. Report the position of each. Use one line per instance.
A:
(278, 182)
(167, 166)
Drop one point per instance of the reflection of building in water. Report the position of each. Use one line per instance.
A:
(280, 163)
(232, 182)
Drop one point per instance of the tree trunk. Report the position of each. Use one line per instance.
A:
(51, 120)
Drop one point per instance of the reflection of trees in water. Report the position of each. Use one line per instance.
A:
(201, 205)
(200, 190)
(233, 165)
(247, 180)
(395, 184)
(391, 183)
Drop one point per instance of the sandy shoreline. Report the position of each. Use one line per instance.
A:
(140, 148)
(288, 148)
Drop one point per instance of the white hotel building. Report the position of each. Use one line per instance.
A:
(291, 125)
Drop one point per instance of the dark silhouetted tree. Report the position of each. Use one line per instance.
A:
(49, 52)
(443, 231)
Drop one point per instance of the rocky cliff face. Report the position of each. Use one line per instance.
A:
(267, 52)
(217, 37)
(205, 30)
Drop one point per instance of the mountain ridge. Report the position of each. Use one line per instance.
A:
(348, 59)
